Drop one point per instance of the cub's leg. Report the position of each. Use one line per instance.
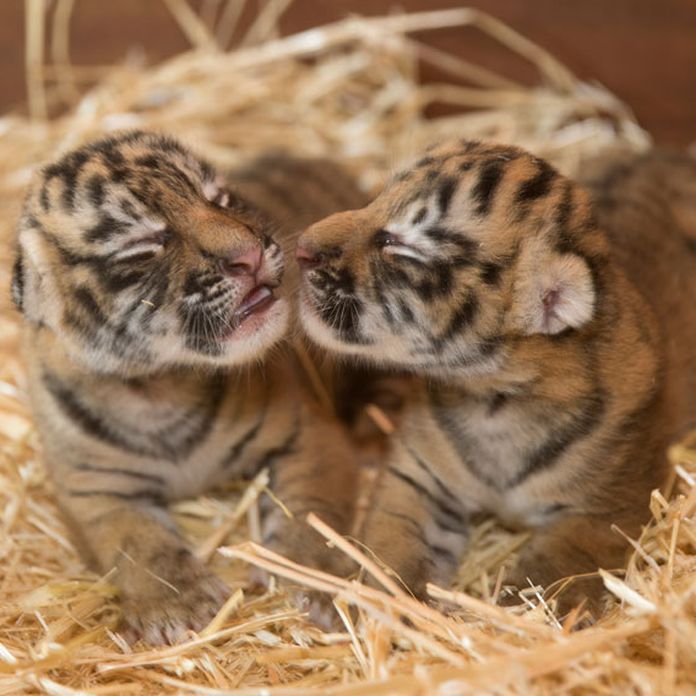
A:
(574, 545)
(417, 527)
(321, 475)
(165, 590)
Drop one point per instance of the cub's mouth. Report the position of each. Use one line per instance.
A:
(252, 311)
(256, 301)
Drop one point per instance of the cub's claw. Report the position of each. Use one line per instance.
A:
(178, 602)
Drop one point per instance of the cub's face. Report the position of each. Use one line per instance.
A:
(136, 258)
(473, 251)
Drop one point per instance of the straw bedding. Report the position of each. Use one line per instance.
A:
(348, 90)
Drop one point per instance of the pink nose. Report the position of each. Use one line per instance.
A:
(246, 263)
(305, 256)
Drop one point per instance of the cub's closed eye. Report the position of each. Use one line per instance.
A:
(160, 238)
(143, 247)
(383, 239)
(394, 245)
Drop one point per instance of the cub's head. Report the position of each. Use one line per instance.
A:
(137, 259)
(474, 250)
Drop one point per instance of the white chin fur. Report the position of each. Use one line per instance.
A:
(252, 340)
(250, 343)
(388, 350)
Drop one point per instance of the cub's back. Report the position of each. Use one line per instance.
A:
(647, 205)
(295, 192)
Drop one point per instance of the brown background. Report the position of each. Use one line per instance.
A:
(642, 50)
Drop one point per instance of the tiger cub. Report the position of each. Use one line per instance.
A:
(154, 308)
(554, 338)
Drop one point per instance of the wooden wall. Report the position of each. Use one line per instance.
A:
(643, 50)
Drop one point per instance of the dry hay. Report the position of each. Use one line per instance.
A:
(349, 90)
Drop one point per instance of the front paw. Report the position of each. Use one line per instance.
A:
(569, 592)
(304, 546)
(301, 544)
(173, 597)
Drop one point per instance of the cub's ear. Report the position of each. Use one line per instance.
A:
(219, 192)
(18, 281)
(555, 293)
(33, 291)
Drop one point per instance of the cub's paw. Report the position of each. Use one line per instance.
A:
(319, 608)
(568, 593)
(182, 597)
(301, 548)
(301, 544)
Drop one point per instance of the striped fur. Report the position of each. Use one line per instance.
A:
(555, 342)
(150, 379)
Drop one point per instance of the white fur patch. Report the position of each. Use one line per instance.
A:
(212, 190)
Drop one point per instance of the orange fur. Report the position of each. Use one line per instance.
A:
(554, 341)
(150, 377)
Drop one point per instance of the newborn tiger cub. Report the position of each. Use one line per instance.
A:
(152, 296)
(554, 340)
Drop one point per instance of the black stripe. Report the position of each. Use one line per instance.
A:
(104, 230)
(115, 280)
(425, 162)
(416, 527)
(497, 402)
(138, 257)
(86, 300)
(163, 169)
(18, 281)
(67, 170)
(406, 312)
(269, 459)
(442, 552)
(128, 473)
(438, 283)
(419, 216)
(445, 192)
(459, 321)
(428, 470)
(561, 438)
(129, 209)
(95, 190)
(236, 450)
(43, 197)
(343, 315)
(565, 208)
(67, 256)
(482, 351)
(438, 503)
(417, 531)
(538, 186)
(180, 440)
(485, 188)
(71, 175)
(87, 421)
(451, 425)
(144, 494)
(380, 296)
(491, 272)
(158, 285)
